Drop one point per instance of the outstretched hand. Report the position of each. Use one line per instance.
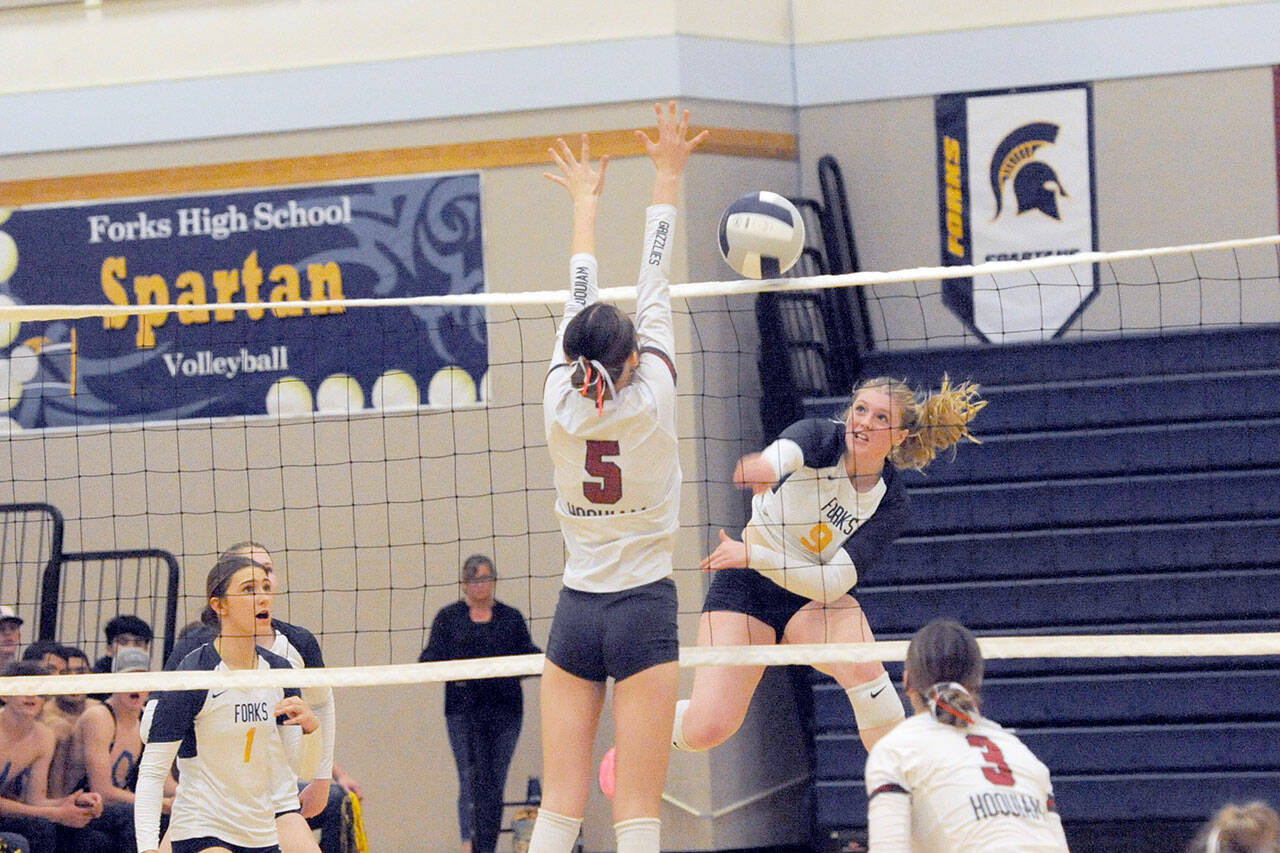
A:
(671, 150)
(576, 173)
(729, 554)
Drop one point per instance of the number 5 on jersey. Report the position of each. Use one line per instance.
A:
(608, 488)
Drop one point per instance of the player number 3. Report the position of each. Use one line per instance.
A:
(996, 770)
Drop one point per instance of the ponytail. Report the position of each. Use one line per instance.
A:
(950, 703)
(598, 342)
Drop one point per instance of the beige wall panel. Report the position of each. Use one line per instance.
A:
(818, 21)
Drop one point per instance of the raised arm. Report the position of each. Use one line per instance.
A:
(669, 153)
(584, 184)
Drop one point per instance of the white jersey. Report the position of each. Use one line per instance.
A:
(935, 788)
(230, 749)
(813, 531)
(617, 473)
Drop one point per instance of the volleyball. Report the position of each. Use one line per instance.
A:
(761, 235)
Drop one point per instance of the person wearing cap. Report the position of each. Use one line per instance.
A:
(106, 747)
(125, 630)
(26, 749)
(10, 634)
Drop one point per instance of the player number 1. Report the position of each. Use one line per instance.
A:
(248, 744)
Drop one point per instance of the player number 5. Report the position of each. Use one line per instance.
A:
(609, 488)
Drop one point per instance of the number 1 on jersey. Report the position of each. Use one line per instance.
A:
(248, 744)
(609, 489)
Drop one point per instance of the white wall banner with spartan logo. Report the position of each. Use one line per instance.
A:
(1015, 181)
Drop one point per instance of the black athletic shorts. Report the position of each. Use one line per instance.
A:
(599, 635)
(204, 842)
(747, 591)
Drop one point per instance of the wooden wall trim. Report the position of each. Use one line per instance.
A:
(489, 154)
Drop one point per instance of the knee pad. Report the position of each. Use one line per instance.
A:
(876, 703)
(677, 728)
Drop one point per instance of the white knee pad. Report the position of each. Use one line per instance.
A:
(876, 703)
(554, 833)
(638, 835)
(677, 728)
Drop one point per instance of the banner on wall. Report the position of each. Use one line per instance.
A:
(1015, 181)
(401, 237)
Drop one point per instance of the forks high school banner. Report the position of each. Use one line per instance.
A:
(1015, 181)
(399, 237)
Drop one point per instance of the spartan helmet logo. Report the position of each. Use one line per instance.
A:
(1035, 184)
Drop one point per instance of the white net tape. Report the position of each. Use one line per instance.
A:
(29, 313)
(993, 648)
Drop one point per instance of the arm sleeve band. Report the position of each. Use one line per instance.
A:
(653, 299)
(785, 456)
(157, 759)
(321, 701)
(889, 822)
(583, 290)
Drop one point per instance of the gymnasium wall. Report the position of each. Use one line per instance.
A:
(1185, 152)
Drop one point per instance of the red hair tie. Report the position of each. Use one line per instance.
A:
(955, 712)
(592, 376)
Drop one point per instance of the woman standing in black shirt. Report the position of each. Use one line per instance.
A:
(483, 716)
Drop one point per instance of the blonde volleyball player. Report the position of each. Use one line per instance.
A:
(828, 500)
(231, 743)
(949, 780)
(609, 410)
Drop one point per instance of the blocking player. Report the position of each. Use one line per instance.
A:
(609, 412)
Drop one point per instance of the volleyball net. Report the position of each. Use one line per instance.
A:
(371, 484)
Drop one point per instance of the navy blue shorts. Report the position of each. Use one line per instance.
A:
(747, 591)
(204, 842)
(600, 635)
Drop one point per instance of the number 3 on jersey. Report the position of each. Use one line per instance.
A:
(608, 490)
(996, 769)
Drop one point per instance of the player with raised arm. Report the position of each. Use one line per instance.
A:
(231, 743)
(949, 780)
(609, 411)
(828, 501)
